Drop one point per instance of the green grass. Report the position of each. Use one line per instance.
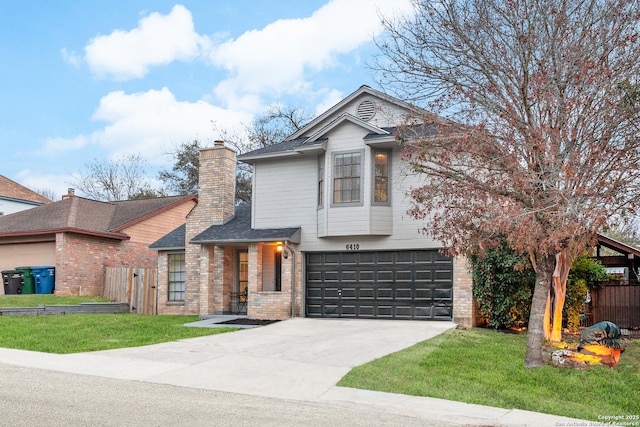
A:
(35, 300)
(75, 333)
(486, 367)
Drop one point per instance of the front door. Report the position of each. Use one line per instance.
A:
(242, 282)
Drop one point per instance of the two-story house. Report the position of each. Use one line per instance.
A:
(327, 233)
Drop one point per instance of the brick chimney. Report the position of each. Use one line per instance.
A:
(71, 192)
(217, 183)
(216, 206)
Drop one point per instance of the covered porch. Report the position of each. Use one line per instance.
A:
(248, 271)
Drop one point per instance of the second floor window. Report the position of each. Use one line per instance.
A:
(381, 177)
(347, 170)
(321, 181)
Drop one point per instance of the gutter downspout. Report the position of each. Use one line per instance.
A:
(293, 279)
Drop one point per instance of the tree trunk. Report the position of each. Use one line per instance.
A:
(560, 276)
(547, 318)
(544, 272)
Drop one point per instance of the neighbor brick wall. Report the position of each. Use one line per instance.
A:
(463, 306)
(81, 261)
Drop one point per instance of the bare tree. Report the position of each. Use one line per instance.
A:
(49, 193)
(113, 180)
(547, 148)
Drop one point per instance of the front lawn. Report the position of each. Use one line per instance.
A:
(486, 367)
(75, 333)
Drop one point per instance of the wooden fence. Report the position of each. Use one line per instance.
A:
(619, 304)
(134, 286)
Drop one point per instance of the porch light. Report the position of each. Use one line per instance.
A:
(279, 247)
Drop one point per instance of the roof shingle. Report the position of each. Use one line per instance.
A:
(13, 190)
(84, 216)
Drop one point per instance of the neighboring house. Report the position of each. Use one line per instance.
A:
(327, 233)
(15, 197)
(80, 237)
(619, 300)
(622, 261)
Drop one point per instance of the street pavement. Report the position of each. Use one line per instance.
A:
(298, 360)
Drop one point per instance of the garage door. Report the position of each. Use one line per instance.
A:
(380, 285)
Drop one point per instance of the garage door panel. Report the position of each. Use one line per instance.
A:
(404, 276)
(349, 258)
(443, 312)
(444, 294)
(403, 311)
(315, 276)
(349, 292)
(404, 293)
(367, 293)
(384, 276)
(424, 294)
(424, 275)
(332, 293)
(386, 285)
(385, 258)
(405, 257)
(314, 310)
(347, 310)
(349, 276)
(385, 311)
(313, 293)
(443, 275)
(367, 275)
(367, 258)
(384, 293)
(423, 312)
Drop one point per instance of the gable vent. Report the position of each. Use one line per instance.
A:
(366, 110)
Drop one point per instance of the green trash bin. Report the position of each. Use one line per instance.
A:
(29, 283)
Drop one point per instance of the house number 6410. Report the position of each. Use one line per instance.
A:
(353, 246)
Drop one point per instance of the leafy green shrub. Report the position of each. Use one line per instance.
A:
(503, 282)
(586, 274)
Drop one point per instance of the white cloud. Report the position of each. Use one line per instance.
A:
(150, 123)
(331, 99)
(52, 145)
(275, 59)
(71, 57)
(158, 40)
(36, 180)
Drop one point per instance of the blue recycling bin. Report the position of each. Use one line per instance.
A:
(45, 276)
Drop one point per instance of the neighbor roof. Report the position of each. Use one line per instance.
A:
(85, 216)
(12, 190)
(617, 246)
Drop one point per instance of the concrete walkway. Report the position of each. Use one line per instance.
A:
(298, 359)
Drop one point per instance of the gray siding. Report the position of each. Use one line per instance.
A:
(285, 195)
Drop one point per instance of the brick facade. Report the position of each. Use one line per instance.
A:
(464, 309)
(81, 261)
(212, 270)
(206, 265)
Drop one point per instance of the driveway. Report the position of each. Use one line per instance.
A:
(298, 359)
(294, 359)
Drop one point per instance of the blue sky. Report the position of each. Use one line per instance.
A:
(100, 80)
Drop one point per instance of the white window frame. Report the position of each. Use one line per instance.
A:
(359, 202)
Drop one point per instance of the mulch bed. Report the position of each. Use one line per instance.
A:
(252, 322)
